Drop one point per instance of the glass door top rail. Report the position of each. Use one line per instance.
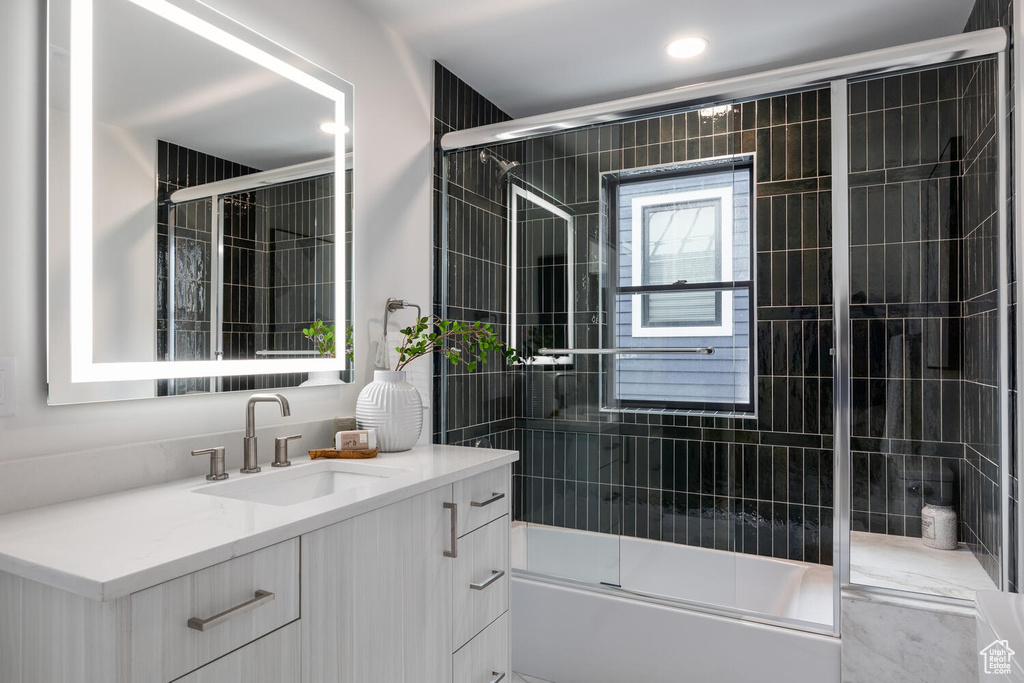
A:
(816, 74)
(695, 350)
(257, 181)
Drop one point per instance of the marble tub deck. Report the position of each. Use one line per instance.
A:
(906, 564)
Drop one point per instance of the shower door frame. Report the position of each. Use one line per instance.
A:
(516, 192)
(840, 351)
(834, 74)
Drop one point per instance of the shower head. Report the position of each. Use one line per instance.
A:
(501, 167)
(506, 167)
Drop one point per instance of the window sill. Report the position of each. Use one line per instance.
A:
(686, 412)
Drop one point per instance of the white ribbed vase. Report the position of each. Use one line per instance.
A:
(393, 408)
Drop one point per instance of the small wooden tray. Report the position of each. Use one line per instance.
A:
(348, 455)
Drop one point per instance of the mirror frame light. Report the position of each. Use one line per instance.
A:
(212, 25)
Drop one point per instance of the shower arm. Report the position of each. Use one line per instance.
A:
(393, 305)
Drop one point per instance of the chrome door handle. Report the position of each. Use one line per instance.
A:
(495, 575)
(259, 598)
(454, 552)
(495, 497)
(498, 676)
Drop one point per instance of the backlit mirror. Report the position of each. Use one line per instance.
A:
(200, 195)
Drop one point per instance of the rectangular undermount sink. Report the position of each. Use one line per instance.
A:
(301, 483)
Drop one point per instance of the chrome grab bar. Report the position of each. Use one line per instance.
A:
(268, 352)
(498, 676)
(495, 575)
(259, 598)
(697, 350)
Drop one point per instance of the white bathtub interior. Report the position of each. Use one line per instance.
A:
(766, 587)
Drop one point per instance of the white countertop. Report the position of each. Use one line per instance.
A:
(109, 546)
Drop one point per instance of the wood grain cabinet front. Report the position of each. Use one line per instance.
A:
(482, 498)
(274, 658)
(377, 596)
(180, 625)
(486, 658)
(480, 591)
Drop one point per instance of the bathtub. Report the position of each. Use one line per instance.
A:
(578, 633)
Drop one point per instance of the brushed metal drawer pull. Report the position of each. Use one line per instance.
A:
(495, 575)
(495, 497)
(259, 598)
(498, 676)
(454, 552)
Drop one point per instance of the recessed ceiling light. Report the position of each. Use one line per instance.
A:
(331, 128)
(691, 46)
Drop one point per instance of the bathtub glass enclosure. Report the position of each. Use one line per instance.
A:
(744, 376)
(668, 283)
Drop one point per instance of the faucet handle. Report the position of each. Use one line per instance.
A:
(216, 462)
(281, 450)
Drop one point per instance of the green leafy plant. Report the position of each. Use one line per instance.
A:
(322, 337)
(469, 343)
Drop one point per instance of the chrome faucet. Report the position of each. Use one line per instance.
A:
(249, 452)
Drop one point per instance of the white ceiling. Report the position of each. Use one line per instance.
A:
(535, 56)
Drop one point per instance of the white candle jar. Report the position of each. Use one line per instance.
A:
(938, 526)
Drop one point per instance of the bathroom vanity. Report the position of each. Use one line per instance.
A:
(390, 571)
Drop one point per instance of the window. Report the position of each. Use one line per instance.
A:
(682, 241)
(681, 278)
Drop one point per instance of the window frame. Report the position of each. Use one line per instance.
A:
(723, 327)
(610, 183)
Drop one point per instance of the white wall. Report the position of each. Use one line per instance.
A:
(393, 138)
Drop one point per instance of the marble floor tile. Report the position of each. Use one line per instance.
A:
(883, 642)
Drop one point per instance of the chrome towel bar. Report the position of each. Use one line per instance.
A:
(698, 350)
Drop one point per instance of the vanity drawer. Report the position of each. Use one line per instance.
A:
(480, 589)
(483, 498)
(182, 624)
(274, 658)
(486, 657)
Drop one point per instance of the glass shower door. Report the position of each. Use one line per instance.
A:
(647, 462)
(571, 463)
(678, 291)
(926, 272)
